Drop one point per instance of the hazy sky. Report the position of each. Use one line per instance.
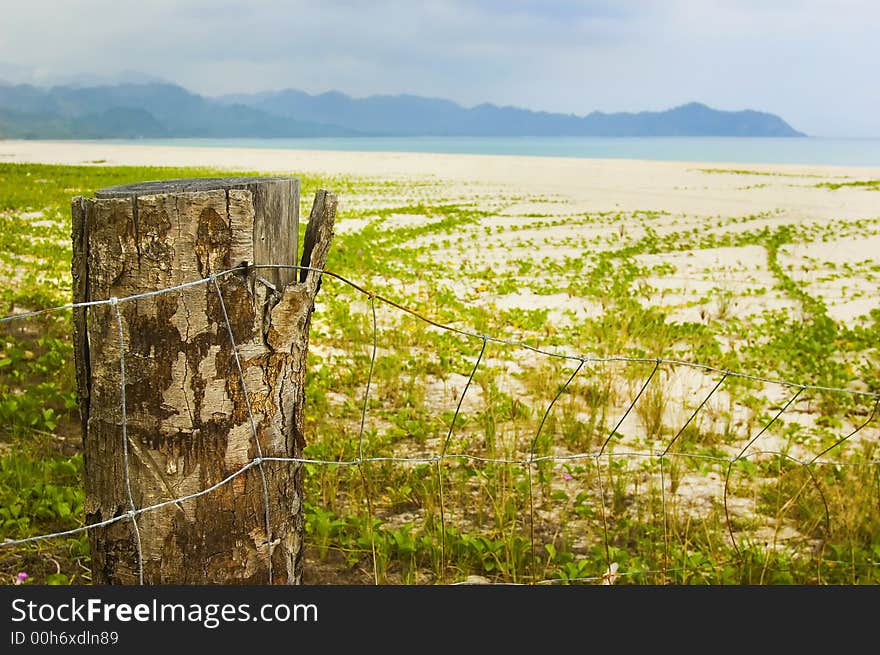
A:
(816, 63)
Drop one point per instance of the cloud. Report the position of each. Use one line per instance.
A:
(810, 61)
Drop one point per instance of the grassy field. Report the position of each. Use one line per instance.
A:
(639, 396)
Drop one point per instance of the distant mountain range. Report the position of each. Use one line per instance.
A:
(161, 110)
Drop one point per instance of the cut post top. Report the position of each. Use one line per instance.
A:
(187, 185)
(271, 222)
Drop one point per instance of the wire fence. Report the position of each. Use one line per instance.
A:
(808, 458)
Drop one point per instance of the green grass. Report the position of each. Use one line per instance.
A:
(739, 171)
(870, 185)
(600, 492)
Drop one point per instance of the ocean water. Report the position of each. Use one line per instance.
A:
(769, 150)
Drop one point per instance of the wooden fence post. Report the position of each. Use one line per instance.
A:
(213, 376)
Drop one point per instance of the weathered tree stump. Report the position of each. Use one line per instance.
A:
(186, 421)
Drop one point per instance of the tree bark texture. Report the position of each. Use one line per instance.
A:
(190, 422)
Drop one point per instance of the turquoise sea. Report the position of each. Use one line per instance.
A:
(796, 150)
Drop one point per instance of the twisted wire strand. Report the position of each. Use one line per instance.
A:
(125, 460)
(267, 522)
(442, 458)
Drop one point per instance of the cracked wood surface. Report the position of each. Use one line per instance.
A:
(187, 417)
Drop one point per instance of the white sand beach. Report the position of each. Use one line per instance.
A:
(595, 184)
(527, 192)
(551, 186)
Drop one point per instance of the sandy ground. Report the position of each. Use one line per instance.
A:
(685, 194)
(595, 184)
